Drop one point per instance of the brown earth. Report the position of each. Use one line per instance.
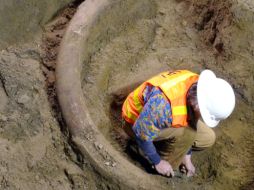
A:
(34, 142)
(35, 148)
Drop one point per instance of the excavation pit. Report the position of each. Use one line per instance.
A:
(111, 46)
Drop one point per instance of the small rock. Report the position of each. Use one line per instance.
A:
(162, 12)
(107, 163)
(23, 99)
(100, 146)
(35, 132)
(153, 46)
(51, 77)
(113, 164)
(89, 137)
(3, 118)
(184, 23)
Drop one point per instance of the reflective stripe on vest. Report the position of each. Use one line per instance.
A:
(174, 85)
(133, 105)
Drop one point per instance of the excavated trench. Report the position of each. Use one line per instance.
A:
(110, 46)
(89, 57)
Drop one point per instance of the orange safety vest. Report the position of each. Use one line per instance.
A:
(174, 85)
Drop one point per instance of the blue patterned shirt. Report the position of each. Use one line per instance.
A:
(156, 114)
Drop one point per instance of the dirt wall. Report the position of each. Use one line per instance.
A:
(21, 19)
(226, 31)
(35, 153)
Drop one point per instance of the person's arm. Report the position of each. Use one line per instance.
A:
(145, 130)
(161, 166)
(189, 167)
(149, 150)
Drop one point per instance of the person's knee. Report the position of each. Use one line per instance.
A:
(204, 139)
(211, 138)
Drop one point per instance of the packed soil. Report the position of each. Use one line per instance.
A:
(36, 151)
(34, 143)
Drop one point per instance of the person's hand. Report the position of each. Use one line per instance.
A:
(164, 168)
(189, 167)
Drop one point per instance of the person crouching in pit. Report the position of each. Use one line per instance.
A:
(173, 113)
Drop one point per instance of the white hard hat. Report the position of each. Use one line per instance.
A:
(216, 98)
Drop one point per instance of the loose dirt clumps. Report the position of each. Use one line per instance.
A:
(226, 28)
(34, 152)
(52, 37)
(210, 18)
